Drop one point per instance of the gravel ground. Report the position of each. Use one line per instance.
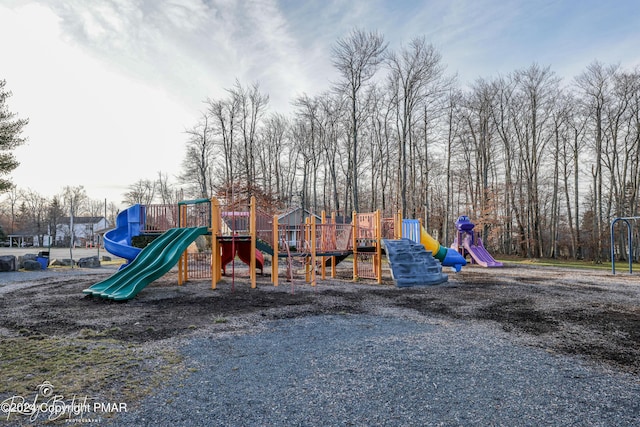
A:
(11, 280)
(365, 370)
(14, 280)
(515, 346)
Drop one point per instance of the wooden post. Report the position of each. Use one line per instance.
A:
(276, 249)
(253, 235)
(182, 262)
(333, 258)
(354, 222)
(307, 238)
(377, 262)
(313, 250)
(216, 230)
(323, 236)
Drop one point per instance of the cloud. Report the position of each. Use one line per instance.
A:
(121, 73)
(194, 48)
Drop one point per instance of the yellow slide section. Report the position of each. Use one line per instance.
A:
(448, 257)
(439, 252)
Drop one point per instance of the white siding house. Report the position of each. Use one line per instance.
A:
(85, 230)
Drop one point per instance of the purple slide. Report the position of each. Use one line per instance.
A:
(479, 254)
(467, 243)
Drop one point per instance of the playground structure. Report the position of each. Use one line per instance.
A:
(229, 231)
(468, 242)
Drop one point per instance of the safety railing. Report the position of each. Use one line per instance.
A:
(194, 213)
(159, 218)
(199, 265)
(264, 227)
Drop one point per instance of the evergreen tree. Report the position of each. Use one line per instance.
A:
(10, 130)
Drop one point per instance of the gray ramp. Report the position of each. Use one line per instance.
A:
(412, 265)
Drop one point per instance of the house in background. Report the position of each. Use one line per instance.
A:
(22, 238)
(86, 231)
(292, 222)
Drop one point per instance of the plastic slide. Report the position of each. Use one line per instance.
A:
(118, 240)
(243, 249)
(152, 263)
(448, 257)
(478, 253)
(228, 253)
(471, 244)
(244, 253)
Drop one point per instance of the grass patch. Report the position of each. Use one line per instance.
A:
(91, 333)
(106, 370)
(550, 262)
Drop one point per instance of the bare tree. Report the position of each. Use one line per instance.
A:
(112, 213)
(12, 202)
(95, 209)
(577, 123)
(595, 86)
(36, 207)
(274, 143)
(503, 119)
(454, 125)
(302, 134)
(538, 89)
(197, 162)
(252, 105)
(167, 192)
(482, 139)
(332, 111)
(561, 165)
(357, 57)
(382, 150)
(412, 72)
(309, 113)
(141, 192)
(74, 200)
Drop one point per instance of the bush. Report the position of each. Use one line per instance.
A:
(143, 240)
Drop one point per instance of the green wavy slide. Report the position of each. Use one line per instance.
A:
(152, 263)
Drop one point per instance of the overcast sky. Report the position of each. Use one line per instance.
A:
(109, 86)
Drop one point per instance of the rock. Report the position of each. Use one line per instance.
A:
(26, 257)
(31, 265)
(8, 263)
(61, 262)
(89, 262)
(106, 258)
